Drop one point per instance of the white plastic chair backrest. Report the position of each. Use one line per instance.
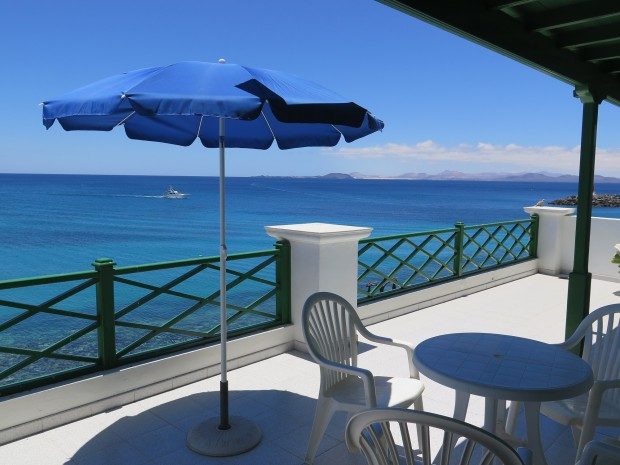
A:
(601, 346)
(328, 323)
(373, 433)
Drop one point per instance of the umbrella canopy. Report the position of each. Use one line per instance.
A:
(181, 102)
(222, 105)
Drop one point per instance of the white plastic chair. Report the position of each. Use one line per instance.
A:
(600, 453)
(330, 325)
(373, 433)
(600, 332)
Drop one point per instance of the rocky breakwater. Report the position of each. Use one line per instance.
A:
(598, 200)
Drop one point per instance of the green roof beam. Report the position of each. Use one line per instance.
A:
(582, 38)
(583, 13)
(603, 52)
(501, 4)
(504, 34)
(610, 65)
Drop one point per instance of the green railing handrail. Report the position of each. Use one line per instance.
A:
(49, 279)
(267, 274)
(398, 263)
(406, 235)
(497, 223)
(188, 262)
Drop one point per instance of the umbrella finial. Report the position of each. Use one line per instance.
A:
(221, 61)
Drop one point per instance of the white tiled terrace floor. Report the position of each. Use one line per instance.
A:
(279, 393)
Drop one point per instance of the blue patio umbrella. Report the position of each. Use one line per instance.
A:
(223, 105)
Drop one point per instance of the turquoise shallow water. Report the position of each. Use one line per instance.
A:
(60, 223)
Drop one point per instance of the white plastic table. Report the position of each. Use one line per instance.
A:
(499, 367)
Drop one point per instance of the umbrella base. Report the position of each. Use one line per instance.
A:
(208, 439)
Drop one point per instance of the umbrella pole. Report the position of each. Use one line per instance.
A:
(220, 437)
(224, 423)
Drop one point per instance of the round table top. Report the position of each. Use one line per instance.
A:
(503, 367)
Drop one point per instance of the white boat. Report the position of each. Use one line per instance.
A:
(172, 193)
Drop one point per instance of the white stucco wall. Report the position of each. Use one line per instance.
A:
(556, 242)
(604, 234)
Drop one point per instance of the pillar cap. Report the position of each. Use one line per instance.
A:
(318, 232)
(550, 211)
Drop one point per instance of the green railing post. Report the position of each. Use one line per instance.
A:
(283, 278)
(105, 312)
(534, 236)
(458, 248)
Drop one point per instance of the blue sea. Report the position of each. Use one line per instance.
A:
(53, 224)
(61, 223)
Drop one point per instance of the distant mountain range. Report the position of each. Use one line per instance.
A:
(459, 176)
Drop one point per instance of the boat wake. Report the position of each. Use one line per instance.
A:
(140, 196)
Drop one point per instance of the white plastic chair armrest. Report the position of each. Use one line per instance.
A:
(574, 339)
(366, 376)
(586, 324)
(596, 395)
(605, 384)
(413, 371)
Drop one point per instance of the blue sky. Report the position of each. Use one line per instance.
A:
(447, 103)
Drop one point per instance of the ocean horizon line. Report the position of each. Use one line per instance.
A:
(471, 177)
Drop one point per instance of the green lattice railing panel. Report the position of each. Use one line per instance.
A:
(58, 327)
(393, 264)
(46, 328)
(490, 245)
(177, 306)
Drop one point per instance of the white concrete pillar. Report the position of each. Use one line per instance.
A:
(323, 258)
(551, 240)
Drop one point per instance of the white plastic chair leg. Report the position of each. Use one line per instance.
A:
(534, 441)
(490, 414)
(576, 432)
(589, 420)
(461, 402)
(511, 419)
(419, 405)
(322, 417)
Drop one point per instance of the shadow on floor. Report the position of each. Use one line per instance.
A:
(157, 434)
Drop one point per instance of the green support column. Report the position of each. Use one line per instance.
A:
(578, 305)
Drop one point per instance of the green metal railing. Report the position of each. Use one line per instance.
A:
(58, 327)
(393, 264)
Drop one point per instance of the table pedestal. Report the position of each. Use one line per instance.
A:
(494, 424)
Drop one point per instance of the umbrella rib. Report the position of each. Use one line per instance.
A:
(337, 129)
(268, 125)
(126, 118)
(199, 126)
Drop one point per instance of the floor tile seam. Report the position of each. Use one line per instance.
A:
(338, 444)
(274, 443)
(266, 405)
(557, 440)
(116, 438)
(59, 451)
(152, 430)
(85, 460)
(121, 440)
(144, 461)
